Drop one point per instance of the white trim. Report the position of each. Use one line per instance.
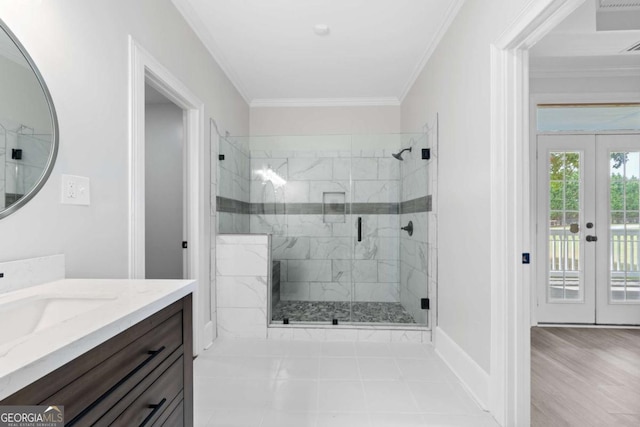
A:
(473, 377)
(201, 31)
(510, 222)
(324, 102)
(452, 12)
(145, 68)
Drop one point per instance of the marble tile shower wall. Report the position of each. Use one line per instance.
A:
(319, 256)
(233, 186)
(415, 250)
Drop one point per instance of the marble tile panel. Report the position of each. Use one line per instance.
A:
(389, 225)
(343, 229)
(269, 224)
(329, 291)
(364, 271)
(413, 281)
(265, 192)
(225, 222)
(342, 169)
(330, 248)
(245, 239)
(297, 192)
(241, 292)
(377, 292)
(241, 260)
(364, 169)
(309, 270)
(376, 191)
(317, 188)
(388, 169)
(242, 322)
(308, 225)
(341, 271)
(290, 247)
(388, 248)
(283, 270)
(260, 167)
(294, 291)
(311, 169)
(388, 271)
(367, 248)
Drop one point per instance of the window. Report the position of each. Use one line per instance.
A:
(588, 117)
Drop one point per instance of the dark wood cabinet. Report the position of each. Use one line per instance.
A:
(141, 377)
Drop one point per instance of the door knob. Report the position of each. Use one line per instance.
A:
(592, 238)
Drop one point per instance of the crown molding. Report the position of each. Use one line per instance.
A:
(325, 102)
(454, 8)
(200, 29)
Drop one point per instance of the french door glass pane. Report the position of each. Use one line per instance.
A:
(624, 283)
(565, 190)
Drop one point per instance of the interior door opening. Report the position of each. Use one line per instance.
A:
(165, 207)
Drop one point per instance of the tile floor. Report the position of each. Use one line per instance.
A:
(267, 383)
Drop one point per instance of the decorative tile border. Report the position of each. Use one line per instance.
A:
(421, 204)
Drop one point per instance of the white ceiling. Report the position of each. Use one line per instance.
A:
(577, 36)
(373, 54)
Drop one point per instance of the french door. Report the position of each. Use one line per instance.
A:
(588, 228)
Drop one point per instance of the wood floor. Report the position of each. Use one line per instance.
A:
(585, 377)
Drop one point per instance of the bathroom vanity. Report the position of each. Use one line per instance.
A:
(110, 351)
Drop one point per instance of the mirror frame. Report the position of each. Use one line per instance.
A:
(54, 128)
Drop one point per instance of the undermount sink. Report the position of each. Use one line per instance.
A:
(31, 314)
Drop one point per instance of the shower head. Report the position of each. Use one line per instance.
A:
(399, 155)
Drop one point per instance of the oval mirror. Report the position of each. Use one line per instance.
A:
(28, 126)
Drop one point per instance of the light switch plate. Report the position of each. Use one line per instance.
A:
(75, 190)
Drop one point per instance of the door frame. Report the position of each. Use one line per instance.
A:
(510, 357)
(144, 68)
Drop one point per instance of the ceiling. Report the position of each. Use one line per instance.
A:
(373, 53)
(576, 43)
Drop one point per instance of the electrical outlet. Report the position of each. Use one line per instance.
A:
(75, 190)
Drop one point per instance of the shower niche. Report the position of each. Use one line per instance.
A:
(334, 206)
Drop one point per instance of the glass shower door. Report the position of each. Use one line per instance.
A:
(375, 190)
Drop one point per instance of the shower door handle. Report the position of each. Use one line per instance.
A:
(359, 229)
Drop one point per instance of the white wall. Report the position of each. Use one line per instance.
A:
(81, 48)
(324, 120)
(164, 183)
(456, 84)
(603, 84)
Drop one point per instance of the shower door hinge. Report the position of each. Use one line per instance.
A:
(424, 303)
(184, 245)
(426, 154)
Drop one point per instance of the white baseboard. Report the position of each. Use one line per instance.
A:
(472, 376)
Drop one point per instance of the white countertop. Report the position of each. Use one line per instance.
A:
(119, 304)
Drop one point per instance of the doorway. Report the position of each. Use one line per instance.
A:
(166, 247)
(588, 229)
(145, 69)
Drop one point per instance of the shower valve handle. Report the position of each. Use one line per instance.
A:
(408, 228)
